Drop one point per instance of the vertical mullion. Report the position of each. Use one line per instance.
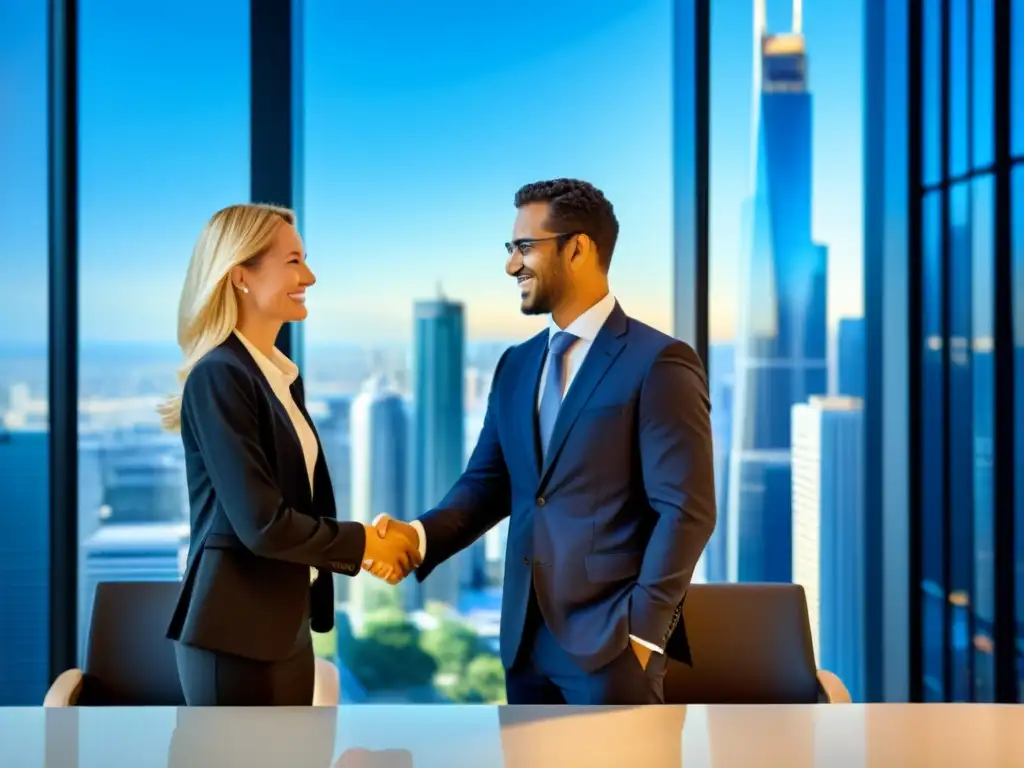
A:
(915, 285)
(63, 331)
(1004, 629)
(690, 136)
(275, 119)
(947, 507)
(702, 150)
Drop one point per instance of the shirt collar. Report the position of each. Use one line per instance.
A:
(589, 324)
(277, 367)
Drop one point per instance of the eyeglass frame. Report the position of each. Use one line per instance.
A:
(516, 245)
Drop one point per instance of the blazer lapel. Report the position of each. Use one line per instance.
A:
(298, 393)
(599, 359)
(526, 398)
(235, 345)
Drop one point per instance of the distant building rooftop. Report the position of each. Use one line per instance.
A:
(836, 403)
(132, 535)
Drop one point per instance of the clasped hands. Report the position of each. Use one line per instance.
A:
(392, 549)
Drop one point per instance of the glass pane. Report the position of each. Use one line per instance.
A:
(411, 162)
(782, 124)
(959, 85)
(1017, 79)
(164, 144)
(983, 84)
(24, 447)
(961, 439)
(983, 364)
(931, 92)
(933, 442)
(1018, 341)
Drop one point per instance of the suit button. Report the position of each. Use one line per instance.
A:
(540, 501)
(526, 561)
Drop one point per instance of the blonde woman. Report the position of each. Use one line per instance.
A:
(264, 539)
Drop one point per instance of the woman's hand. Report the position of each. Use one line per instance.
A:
(392, 550)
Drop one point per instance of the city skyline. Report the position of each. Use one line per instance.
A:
(364, 164)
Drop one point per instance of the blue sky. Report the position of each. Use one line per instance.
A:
(421, 120)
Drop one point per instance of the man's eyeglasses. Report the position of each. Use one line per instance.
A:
(525, 244)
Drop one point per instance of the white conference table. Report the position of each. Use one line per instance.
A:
(451, 736)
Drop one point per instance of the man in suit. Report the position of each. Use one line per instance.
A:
(597, 444)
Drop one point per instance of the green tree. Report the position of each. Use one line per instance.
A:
(379, 595)
(325, 644)
(482, 683)
(437, 609)
(388, 655)
(344, 637)
(485, 679)
(452, 644)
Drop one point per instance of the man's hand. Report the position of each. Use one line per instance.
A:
(396, 536)
(643, 653)
(391, 555)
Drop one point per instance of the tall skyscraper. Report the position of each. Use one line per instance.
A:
(379, 449)
(24, 567)
(781, 354)
(439, 426)
(851, 356)
(721, 370)
(335, 431)
(828, 530)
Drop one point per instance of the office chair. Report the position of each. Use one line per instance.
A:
(750, 644)
(130, 662)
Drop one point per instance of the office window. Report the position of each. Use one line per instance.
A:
(960, 447)
(959, 86)
(786, 270)
(164, 143)
(1017, 78)
(983, 413)
(1017, 202)
(411, 163)
(983, 83)
(933, 448)
(24, 448)
(931, 92)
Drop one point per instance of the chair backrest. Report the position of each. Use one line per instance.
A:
(750, 644)
(129, 661)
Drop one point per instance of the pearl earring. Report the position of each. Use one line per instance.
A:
(245, 289)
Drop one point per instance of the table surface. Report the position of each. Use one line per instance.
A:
(446, 736)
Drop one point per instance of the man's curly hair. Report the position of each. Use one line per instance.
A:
(576, 207)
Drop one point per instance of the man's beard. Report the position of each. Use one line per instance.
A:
(544, 297)
(537, 305)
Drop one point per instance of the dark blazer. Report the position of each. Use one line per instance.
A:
(256, 529)
(609, 528)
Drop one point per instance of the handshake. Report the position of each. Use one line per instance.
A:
(392, 549)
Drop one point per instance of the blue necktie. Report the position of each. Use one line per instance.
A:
(554, 384)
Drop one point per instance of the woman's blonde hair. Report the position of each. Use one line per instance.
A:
(208, 309)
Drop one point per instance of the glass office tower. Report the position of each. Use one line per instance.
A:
(439, 424)
(781, 340)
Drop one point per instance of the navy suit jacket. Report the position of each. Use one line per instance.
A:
(609, 526)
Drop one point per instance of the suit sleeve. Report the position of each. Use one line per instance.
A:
(219, 406)
(480, 499)
(678, 474)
